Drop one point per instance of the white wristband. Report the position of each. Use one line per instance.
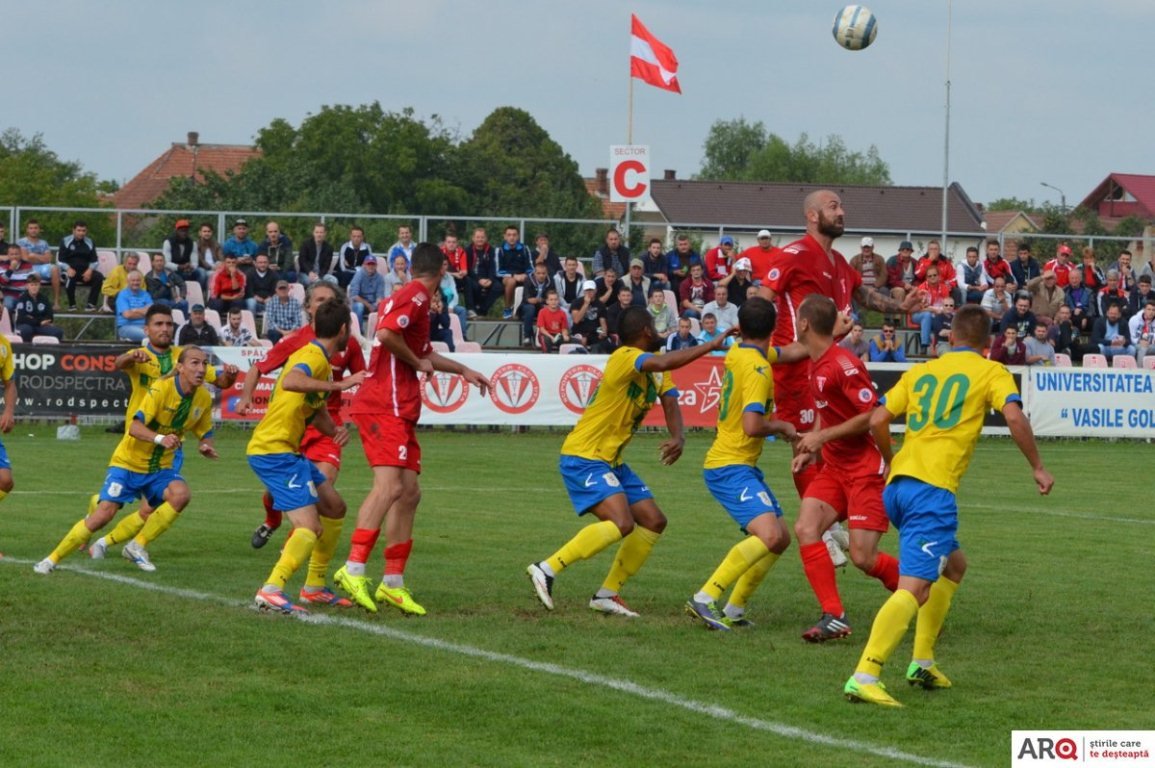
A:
(159, 439)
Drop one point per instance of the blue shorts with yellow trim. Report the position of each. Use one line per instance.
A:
(123, 486)
(290, 478)
(742, 492)
(5, 463)
(926, 517)
(589, 482)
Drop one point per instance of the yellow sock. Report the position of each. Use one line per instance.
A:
(750, 580)
(127, 528)
(588, 542)
(890, 625)
(3, 495)
(931, 616)
(159, 521)
(737, 561)
(323, 552)
(76, 538)
(632, 554)
(297, 550)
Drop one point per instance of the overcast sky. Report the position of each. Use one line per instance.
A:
(1050, 92)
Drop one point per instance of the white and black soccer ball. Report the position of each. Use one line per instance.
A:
(855, 27)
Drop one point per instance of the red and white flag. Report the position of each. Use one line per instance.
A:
(651, 60)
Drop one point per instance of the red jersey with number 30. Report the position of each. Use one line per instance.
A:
(350, 359)
(842, 389)
(391, 386)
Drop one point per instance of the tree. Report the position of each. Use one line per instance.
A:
(1013, 204)
(736, 150)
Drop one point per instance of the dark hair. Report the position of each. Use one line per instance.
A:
(972, 249)
(80, 223)
(657, 289)
(633, 323)
(992, 241)
(514, 227)
(14, 246)
(971, 326)
(711, 316)
(157, 309)
(1125, 251)
(356, 228)
(427, 260)
(756, 318)
(653, 240)
(330, 318)
(551, 292)
(820, 312)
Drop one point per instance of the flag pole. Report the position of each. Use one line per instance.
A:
(629, 140)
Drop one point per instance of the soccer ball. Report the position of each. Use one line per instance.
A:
(855, 27)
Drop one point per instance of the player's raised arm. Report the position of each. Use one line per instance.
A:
(671, 360)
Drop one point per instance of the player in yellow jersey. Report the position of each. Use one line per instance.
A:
(731, 468)
(598, 481)
(944, 401)
(8, 417)
(142, 464)
(298, 488)
(144, 366)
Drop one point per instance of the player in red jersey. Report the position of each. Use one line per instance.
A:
(385, 410)
(851, 478)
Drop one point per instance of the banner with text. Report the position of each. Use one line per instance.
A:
(1091, 402)
(65, 380)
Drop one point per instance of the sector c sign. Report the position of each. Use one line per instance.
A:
(629, 173)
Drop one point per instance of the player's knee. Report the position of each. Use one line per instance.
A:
(806, 530)
(779, 540)
(412, 497)
(6, 483)
(101, 516)
(625, 526)
(863, 557)
(178, 497)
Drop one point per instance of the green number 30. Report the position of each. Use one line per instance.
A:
(947, 406)
(727, 390)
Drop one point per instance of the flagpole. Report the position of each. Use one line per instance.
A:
(629, 140)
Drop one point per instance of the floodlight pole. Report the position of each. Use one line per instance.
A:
(1062, 196)
(946, 132)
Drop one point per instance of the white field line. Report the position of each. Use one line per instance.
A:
(1055, 513)
(590, 678)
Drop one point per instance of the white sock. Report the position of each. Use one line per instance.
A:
(865, 679)
(924, 663)
(603, 592)
(544, 566)
(354, 569)
(702, 597)
(393, 580)
(733, 611)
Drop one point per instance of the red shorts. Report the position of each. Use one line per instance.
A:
(858, 500)
(389, 441)
(319, 448)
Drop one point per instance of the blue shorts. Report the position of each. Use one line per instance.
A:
(590, 482)
(926, 517)
(742, 491)
(178, 458)
(123, 486)
(291, 479)
(4, 462)
(45, 272)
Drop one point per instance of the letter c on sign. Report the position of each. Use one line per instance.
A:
(629, 190)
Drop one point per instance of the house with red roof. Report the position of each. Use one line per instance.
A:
(189, 160)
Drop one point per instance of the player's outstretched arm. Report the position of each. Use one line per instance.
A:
(877, 301)
(1024, 437)
(127, 359)
(880, 428)
(207, 448)
(755, 424)
(444, 364)
(297, 380)
(671, 449)
(671, 360)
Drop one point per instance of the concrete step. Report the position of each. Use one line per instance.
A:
(495, 334)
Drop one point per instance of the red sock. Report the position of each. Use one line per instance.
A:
(272, 516)
(396, 556)
(364, 539)
(885, 570)
(820, 573)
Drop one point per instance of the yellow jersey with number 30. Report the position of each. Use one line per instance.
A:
(143, 375)
(747, 385)
(166, 410)
(945, 402)
(619, 404)
(7, 362)
(284, 422)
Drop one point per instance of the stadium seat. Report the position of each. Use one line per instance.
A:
(1124, 361)
(45, 340)
(1062, 361)
(265, 343)
(695, 326)
(250, 322)
(439, 346)
(193, 292)
(6, 321)
(1094, 361)
(455, 329)
(371, 323)
(297, 291)
(672, 301)
(213, 318)
(145, 260)
(354, 325)
(178, 318)
(566, 349)
(13, 338)
(1149, 362)
(106, 261)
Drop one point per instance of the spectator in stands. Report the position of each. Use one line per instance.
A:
(452, 301)
(696, 292)
(543, 254)
(532, 300)
(940, 328)
(973, 281)
(514, 266)
(655, 265)
(351, 256)
(1112, 293)
(369, 287)
(1046, 296)
(1010, 350)
(404, 245)
(1093, 276)
(117, 280)
(236, 335)
(1020, 316)
(439, 329)
(612, 254)
(279, 249)
(856, 344)
(165, 285)
(1126, 273)
(14, 276)
(228, 287)
(679, 260)
(568, 282)
(1083, 303)
(997, 301)
(607, 286)
(1111, 333)
(458, 271)
(996, 266)
(759, 256)
(900, 273)
(1061, 265)
(1026, 267)
(1141, 329)
(36, 252)
(283, 313)
(719, 259)
(179, 253)
(315, 259)
(552, 325)
(614, 312)
(665, 321)
(1147, 267)
(260, 284)
(1063, 335)
(872, 267)
(725, 312)
(1039, 349)
(208, 254)
(34, 313)
(588, 318)
(936, 258)
(240, 245)
(1139, 297)
(77, 258)
(885, 348)
(937, 294)
(397, 277)
(3, 242)
(197, 330)
(738, 283)
(483, 272)
(637, 282)
(710, 332)
(131, 307)
(683, 338)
